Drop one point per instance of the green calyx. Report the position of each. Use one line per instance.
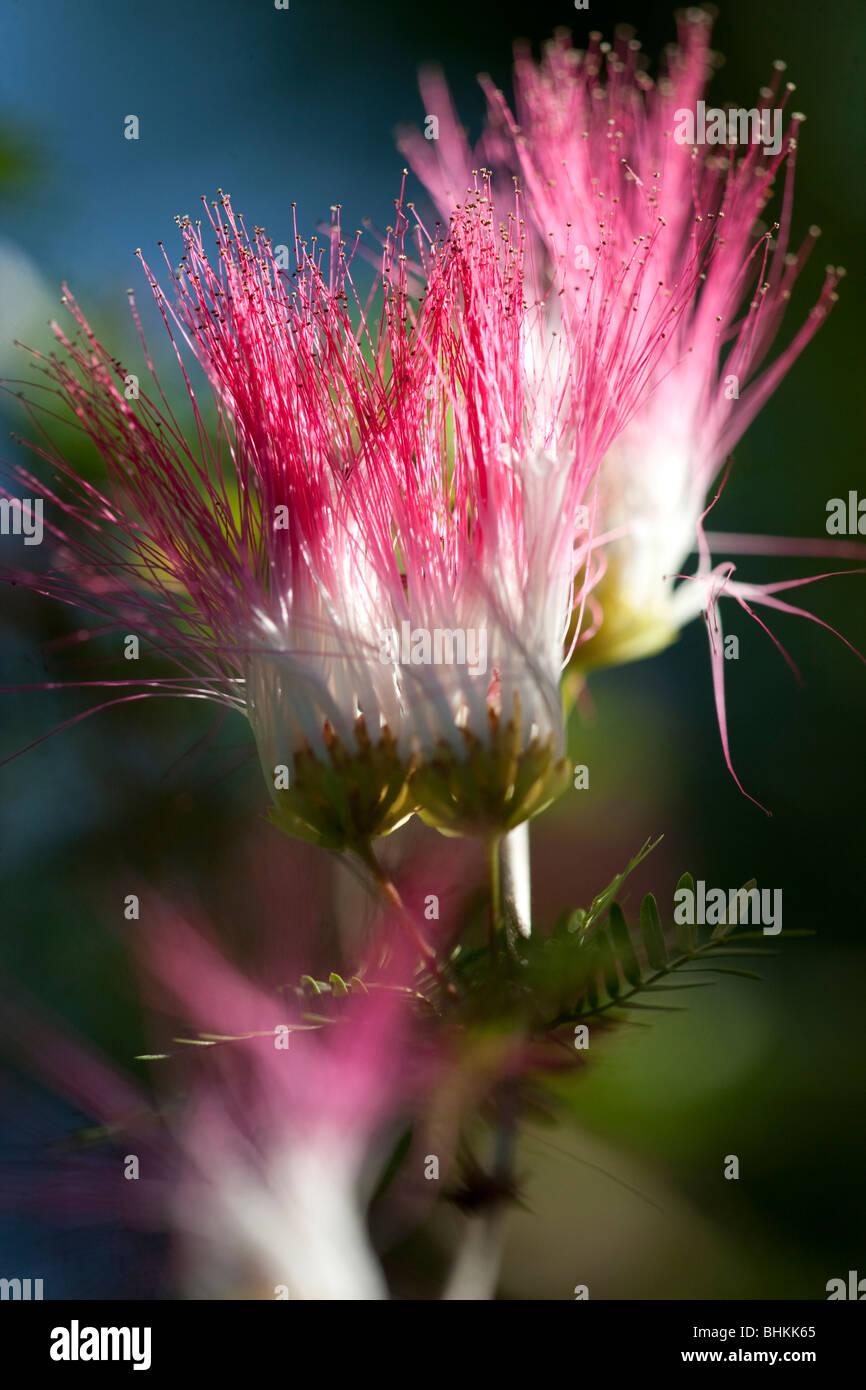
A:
(497, 782)
(347, 798)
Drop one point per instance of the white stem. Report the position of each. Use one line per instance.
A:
(476, 1268)
(516, 887)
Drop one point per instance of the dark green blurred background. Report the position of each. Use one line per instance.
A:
(301, 106)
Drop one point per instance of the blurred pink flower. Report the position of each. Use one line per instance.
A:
(286, 1131)
(269, 1130)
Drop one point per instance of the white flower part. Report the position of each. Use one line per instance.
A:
(297, 1224)
(513, 608)
(649, 499)
(547, 366)
(548, 576)
(534, 590)
(323, 666)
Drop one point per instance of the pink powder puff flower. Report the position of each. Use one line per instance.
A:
(515, 398)
(428, 473)
(594, 141)
(237, 556)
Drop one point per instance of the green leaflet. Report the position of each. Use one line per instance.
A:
(686, 933)
(606, 965)
(628, 960)
(653, 935)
